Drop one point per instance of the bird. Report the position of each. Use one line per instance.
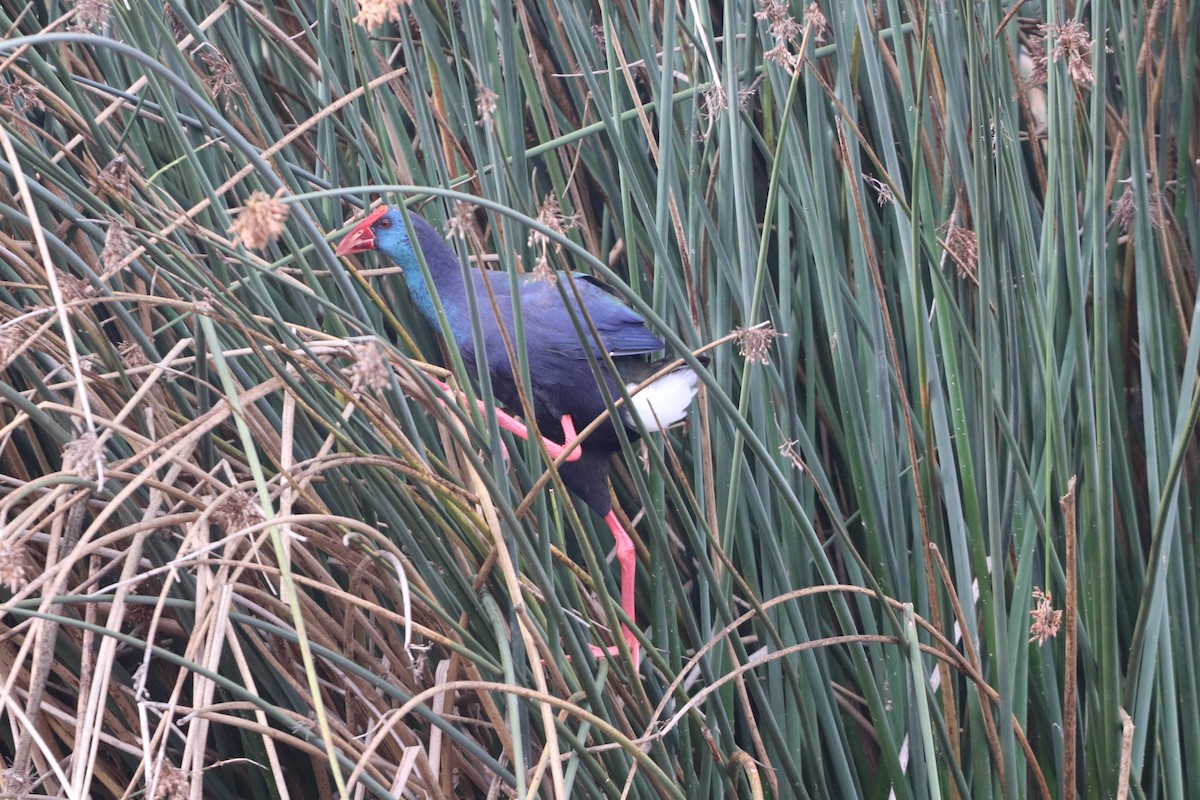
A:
(565, 394)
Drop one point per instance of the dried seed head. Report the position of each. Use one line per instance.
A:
(236, 511)
(542, 271)
(1123, 211)
(370, 371)
(117, 246)
(132, 356)
(550, 215)
(16, 782)
(462, 223)
(260, 221)
(91, 15)
(485, 105)
(1032, 67)
(90, 364)
(21, 96)
(10, 342)
(963, 246)
(221, 80)
(178, 31)
(782, 55)
(74, 288)
(1046, 620)
(83, 456)
(883, 192)
(1072, 43)
(716, 100)
(114, 178)
(14, 566)
(783, 28)
(137, 617)
(791, 451)
(755, 343)
(816, 22)
(373, 13)
(172, 784)
(780, 22)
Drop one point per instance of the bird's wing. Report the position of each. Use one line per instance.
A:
(548, 321)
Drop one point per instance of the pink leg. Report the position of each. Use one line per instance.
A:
(627, 556)
(519, 429)
(568, 426)
(626, 552)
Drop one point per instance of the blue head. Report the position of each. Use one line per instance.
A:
(384, 230)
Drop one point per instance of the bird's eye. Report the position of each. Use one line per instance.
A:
(385, 223)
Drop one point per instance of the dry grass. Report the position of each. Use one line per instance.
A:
(247, 549)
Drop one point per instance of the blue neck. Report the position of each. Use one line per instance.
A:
(445, 271)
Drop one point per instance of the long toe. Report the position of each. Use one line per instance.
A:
(615, 650)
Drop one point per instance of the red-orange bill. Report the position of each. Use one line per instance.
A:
(361, 238)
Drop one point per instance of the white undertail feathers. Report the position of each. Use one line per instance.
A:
(664, 402)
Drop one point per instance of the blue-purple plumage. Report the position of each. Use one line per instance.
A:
(562, 381)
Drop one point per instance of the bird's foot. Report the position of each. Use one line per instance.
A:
(630, 640)
(519, 429)
(614, 651)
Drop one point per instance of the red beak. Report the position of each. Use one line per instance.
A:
(361, 237)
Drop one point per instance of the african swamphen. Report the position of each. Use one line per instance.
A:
(565, 394)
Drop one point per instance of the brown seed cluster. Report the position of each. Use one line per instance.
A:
(373, 13)
(816, 22)
(550, 215)
(11, 340)
(883, 192)
(14, 569)
(1046, 619)
(787, 31)
(178, 31)
(115, 177)
(370, 372)
(462, 222)
(791, 451)
(755, 343)
(1125, 209)
(1073, 44)
(172, 784)
(963, 246)
(75, 288)
(221, 79)
(132, 356)
(485, 106)
(237, 511)
(780, 22)
(260, 221)
(16, 781)
(82, 455)
(21, 96)
(91, 15)
(117, 246)
(716, 100)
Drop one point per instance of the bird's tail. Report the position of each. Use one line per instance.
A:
(664, 402)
